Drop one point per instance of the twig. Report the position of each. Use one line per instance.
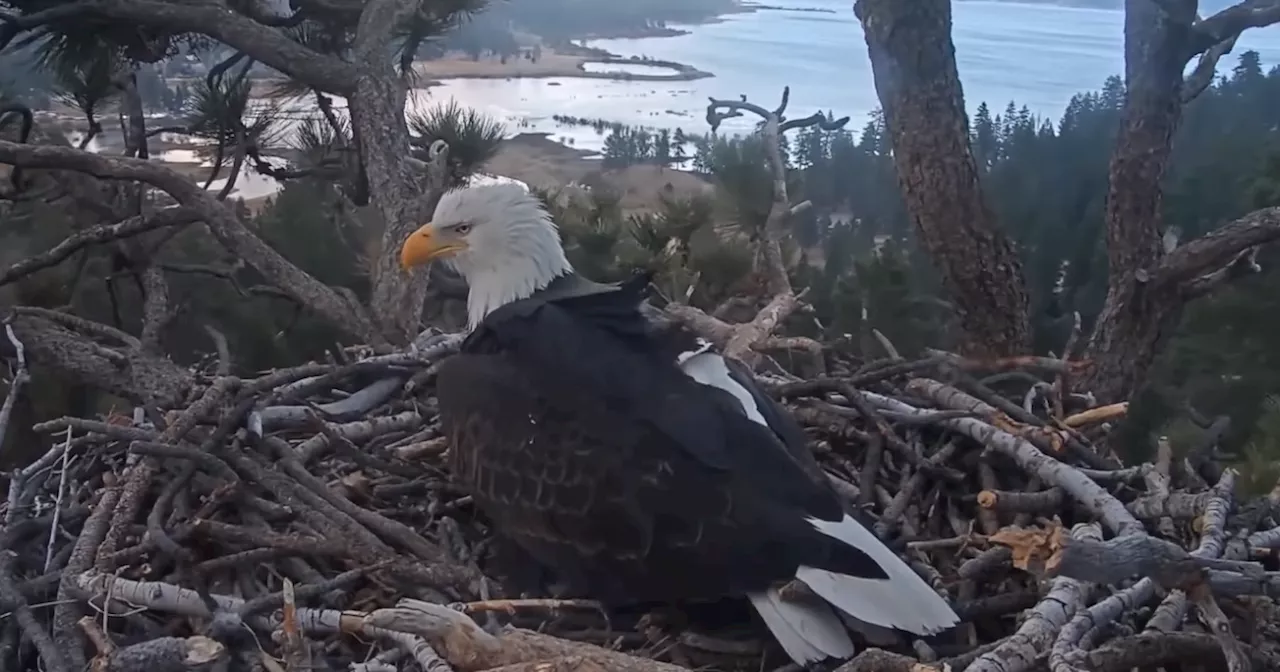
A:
(50, 654)
(20, 378)
(58, 503)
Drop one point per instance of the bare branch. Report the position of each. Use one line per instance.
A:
(816, 119)
(177, 216)
(1043, 622)
(1154, 650)
(1206, 69)
(1218, 248)
(157, 310)
(270, 46)
(124, 370)
(744, 341)
(222, 223)
(780, 209)
(21, 377)
(1230, 22)
(1245, 263)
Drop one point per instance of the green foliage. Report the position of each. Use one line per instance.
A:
(87, 85)
(226, 114)
(473, 137)
(676, 241)
(318, 140)
(740, 169)
(65, 45)
(307, 222)
(432, 19)
(21, 78)
(635, 145)
(1260, 464)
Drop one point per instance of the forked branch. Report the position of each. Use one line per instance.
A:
(743, 340)
(221, 221)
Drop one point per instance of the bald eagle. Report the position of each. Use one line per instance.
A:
(638, 464)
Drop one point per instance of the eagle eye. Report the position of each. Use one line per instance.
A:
(463, 229)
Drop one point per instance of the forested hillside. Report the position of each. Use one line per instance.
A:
(1046, 180)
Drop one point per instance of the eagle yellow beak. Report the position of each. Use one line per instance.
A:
(424, 245)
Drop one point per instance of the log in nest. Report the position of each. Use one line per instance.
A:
(302, 519)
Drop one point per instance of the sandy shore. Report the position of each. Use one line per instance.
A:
(536, 160)
(541, 162)
(551, 64)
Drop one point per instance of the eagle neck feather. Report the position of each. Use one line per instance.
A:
(536, 259)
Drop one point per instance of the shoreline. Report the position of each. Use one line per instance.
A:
(569, 59)
(565, 61)
(645, 32)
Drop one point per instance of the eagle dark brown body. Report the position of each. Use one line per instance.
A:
(602, 495)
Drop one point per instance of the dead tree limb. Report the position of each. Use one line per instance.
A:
(221, 221)
(168, 217)
(742, 340)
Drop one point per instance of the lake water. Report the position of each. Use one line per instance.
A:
(1035, 54)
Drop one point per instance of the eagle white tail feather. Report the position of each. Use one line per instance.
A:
(876, 635)
(808, 630)
(904, 601)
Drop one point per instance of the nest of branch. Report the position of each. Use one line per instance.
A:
(303, 519)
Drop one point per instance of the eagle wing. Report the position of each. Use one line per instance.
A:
(600, 349)
(630, 479)
(583, 489)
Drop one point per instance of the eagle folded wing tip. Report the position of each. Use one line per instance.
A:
(808, 632)
(903, 600)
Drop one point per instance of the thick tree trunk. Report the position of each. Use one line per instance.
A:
(382, 136)
(377, 115)
(405, 203)
(913, 62)
(1139, 313)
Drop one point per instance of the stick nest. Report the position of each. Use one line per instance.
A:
(304, 519)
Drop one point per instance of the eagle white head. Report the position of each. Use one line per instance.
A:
(498, 237)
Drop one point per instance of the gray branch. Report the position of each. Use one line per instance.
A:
(221, 221)
(268, 45)
(1020, 651)
(1232, 21)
